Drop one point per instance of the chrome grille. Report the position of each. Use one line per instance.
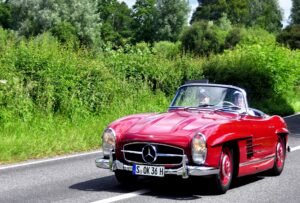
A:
(165, 154)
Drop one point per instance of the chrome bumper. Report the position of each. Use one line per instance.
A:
(185, 171)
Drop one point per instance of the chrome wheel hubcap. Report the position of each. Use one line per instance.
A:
(280, 155)
(226, 169)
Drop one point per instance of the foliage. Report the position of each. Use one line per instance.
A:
(265, 14)
(248, 36)
(290, 36)
(295, 12)
(167, 49)
(65, 32)
(45, 77)
(5, 15)
(204, 38)
(158, 72)
(268, 73)
(33, 17)
(171, 19)
(144, 16)
(260, 13)
(159, 20)
(117, 20)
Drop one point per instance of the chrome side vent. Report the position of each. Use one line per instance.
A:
(249, 146)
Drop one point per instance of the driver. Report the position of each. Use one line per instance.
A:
(239, 100)
(203, 98)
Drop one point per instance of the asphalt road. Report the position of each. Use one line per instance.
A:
(77, 179)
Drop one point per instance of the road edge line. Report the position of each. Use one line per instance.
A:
(292, 149)
(296, 114)
(34, 162)
(122, 197)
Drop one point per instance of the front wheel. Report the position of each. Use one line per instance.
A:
(224, 178)
(279, 158)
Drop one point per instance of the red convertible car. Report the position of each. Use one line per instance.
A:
(209, 130)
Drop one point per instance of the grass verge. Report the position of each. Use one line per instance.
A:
(47, 136)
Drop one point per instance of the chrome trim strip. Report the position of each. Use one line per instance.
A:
(132, 152)
(257, 161)
(185, 171)
(169, 155)
(143, 163)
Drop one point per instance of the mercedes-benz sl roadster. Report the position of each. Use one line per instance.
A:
(208, 130)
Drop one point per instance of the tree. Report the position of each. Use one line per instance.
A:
(144, 20)
(32, 17)
(65, 32)
(265, 14)
(262, 13)
(5, 15)
(116, 18)
(290, 36)
(210, 10)
(171, 18)
(204, 38)
(295, 12)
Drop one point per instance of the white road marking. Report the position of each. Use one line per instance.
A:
(48, 160)
(296, 114)
(122, 197)
(292, 149)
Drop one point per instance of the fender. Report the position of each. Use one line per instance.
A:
(282, 131)
(229, 137)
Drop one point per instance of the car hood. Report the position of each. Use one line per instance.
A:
(170, 127)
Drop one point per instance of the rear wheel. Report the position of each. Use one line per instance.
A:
(279, 158)
(125, 177)
(224, 178)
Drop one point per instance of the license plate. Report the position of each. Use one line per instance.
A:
(148, 170)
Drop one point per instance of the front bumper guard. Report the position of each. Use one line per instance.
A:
(185, 170)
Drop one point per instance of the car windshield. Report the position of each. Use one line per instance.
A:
(210, 97)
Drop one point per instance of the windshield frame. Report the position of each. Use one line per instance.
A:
(209, 85)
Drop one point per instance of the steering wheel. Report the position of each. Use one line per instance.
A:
(227, 103)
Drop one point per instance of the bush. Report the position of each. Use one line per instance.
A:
(160, 73)
(290, 36)
(167, 49)
(267, 72)
(249, 36)
(65, 33)
(44, 77)
(204, 39)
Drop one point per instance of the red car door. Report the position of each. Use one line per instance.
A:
(264, 138)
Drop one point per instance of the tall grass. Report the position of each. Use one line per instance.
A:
(53, 135)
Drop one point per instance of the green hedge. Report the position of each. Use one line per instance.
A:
(268, 72)
(44, 77)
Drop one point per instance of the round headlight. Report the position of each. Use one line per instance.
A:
(199, 149)
(108, 141)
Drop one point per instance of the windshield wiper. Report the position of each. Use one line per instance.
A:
(206, 105)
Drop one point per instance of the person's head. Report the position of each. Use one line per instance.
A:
(238, 99)
(203, 97)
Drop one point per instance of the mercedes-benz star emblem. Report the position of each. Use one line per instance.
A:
(149, 153)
